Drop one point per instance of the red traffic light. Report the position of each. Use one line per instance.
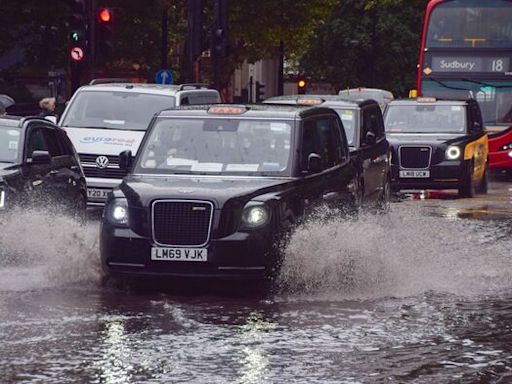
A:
(77, 54)
(104, 15)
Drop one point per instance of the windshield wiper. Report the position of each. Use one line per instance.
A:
(485, 84)
(447, 86)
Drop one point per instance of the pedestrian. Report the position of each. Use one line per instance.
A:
(47, 106)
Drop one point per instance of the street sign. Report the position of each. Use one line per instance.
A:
(77, 53)
(163, 76)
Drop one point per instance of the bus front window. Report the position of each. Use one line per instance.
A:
(494, 97)
(476, 24)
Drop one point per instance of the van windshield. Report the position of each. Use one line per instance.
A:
(115, 110)
(217, 146)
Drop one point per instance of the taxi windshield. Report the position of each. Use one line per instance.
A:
(217, 146)
(425, 118)
(9, 144)
(115, 110)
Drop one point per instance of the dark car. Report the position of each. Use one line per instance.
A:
(214, 189)
(369, 148)
(39, 165)
(437, 144)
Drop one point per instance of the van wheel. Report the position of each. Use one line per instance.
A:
(467, 186)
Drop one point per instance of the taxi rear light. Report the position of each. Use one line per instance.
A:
(227, 110)
(313, 101)
(426, 99)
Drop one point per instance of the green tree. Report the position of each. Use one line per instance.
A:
(368, 43)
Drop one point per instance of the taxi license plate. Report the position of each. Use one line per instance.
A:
(415, 174)
(179, 254)
(98, 193)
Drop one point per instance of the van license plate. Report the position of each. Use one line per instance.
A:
(98, 193)
(415, 174)
(179, 254)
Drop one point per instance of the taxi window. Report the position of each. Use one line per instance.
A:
(9, 144)
(36, 142)
(322, 136)
(55, 146)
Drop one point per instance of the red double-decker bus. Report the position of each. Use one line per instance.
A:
(466, 52)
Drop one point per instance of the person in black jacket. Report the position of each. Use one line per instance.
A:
(47, 106)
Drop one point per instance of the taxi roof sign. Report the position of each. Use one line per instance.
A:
(426, 99)
(226, 110)
(310, 101)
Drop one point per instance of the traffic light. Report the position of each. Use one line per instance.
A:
(78, 26)
(219, 42)
(78, 40)
(302, 84)
(104, 44)
(260, 92)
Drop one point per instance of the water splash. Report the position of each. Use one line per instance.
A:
(40, 248)
(402, 253)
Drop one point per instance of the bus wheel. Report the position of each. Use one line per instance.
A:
(467, 184)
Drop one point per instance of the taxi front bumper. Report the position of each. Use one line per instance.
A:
(241, 255)
(444, 175)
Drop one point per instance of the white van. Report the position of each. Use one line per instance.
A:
(105, 119)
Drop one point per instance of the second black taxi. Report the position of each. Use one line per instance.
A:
(437, 144)
(214, 188)
(369, 150)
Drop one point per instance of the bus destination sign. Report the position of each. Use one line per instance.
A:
(470, 64)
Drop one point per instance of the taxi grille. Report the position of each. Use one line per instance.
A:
(415, 157)
(182, 222)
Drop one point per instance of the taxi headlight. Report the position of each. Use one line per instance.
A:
(255, 215)
(2, 199)
(453, 152)
(117, 212)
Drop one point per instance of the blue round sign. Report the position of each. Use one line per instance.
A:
(163, 76)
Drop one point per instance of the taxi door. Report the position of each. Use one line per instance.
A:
(373, 150)
(325, 162)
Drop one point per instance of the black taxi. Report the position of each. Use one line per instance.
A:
(214, 188)
(437, 144)
(369, 149)
(39, 166)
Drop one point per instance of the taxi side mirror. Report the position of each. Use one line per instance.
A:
(370, 138)
(40, 158)
(314, 163)
(125, 160)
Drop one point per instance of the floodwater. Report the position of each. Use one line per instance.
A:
(422, 294)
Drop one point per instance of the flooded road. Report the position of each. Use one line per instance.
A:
(422, 294)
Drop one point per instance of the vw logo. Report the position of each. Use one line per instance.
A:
(102, 162)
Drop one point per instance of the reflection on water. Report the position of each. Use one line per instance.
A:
(114, 366)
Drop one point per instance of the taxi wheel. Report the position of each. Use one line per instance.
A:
(383, 204)
(484, 183)
(467, 186)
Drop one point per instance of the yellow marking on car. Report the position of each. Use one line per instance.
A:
(478, 150)
(312, 101)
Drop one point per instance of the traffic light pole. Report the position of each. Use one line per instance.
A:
(92, 38)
